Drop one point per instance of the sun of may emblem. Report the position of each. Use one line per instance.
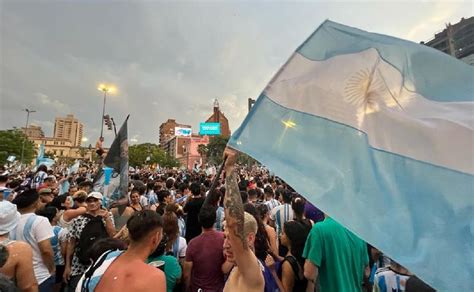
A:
(362, 90)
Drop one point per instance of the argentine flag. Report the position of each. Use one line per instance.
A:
(377, 132)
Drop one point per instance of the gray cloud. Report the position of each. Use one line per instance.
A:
(167, 59)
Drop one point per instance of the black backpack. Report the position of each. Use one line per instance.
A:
(93, 231)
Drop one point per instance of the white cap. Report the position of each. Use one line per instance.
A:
(9, 217)
(96, 195)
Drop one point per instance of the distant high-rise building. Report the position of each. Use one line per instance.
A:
(33, 131)
(456, 40)
(69, 128)
(167, 130)
(219, 117)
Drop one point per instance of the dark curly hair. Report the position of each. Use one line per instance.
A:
(262, 244)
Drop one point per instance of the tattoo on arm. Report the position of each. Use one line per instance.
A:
(235, 208)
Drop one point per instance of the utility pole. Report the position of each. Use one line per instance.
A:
(28, 112)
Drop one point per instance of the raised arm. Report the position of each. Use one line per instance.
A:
(245, 259)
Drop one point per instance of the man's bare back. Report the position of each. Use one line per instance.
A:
(128, 275)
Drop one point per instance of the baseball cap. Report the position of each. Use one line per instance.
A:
(96, 195)
(9, 217)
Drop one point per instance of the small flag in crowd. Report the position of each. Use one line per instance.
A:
(377, 132)
(74, 168)
(117, 160)
(41, 160)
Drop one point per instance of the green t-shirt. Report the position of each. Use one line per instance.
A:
(172, 270)
(340, 256)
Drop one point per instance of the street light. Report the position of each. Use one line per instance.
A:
(28, 112)
(186, 149)
(104, 88)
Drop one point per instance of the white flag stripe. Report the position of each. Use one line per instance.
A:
(374, 100)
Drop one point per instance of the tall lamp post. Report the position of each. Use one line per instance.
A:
(105, 89)
(28, 112)
(186, 149)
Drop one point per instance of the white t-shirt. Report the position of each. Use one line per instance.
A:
(280, 215)
(40, 230)
(181, 248)
(143, 201)
(38, 179)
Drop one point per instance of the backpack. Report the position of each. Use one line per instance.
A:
(93, 231)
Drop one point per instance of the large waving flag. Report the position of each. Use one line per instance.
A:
(378, 133)
(115, 185)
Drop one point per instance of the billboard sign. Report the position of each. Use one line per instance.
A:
(184, 132)
(210, 129)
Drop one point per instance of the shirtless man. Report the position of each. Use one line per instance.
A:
(128, 271)
(240, 233)
(17, 267)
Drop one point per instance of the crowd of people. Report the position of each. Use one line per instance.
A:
(250, 231)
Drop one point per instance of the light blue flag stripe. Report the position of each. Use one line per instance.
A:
(418, 213)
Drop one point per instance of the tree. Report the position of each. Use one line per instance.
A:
(147, 154)
(170, 161)
(203, 150)
(82, 151)
(11, 144)
(216, 148)
(246, 160)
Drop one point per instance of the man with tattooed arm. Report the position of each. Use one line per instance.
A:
(240, 230)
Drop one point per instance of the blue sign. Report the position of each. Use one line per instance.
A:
(210, 128)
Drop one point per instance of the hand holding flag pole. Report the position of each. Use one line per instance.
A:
(230, 157)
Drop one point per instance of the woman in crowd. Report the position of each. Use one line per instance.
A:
(135, 201)
(291, 271)
(264, 215)
(262, 246)
(122, 213)
(176, 244)
(297, 205)
(73, 208)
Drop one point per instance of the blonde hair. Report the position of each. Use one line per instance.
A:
(250, 224)
(81, 196)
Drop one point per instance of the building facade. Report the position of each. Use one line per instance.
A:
(219, 117)
(185, 149)
(167, 131)
(456, 40)
(64, 148)
(69, 128)
(33, 131)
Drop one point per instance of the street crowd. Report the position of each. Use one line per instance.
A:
(250, 232)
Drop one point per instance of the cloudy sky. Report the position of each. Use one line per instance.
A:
(170, 59)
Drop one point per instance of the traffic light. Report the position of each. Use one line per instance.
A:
(108, 122)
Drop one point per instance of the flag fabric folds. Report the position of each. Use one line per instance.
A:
(378, 133)
(117, 160)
